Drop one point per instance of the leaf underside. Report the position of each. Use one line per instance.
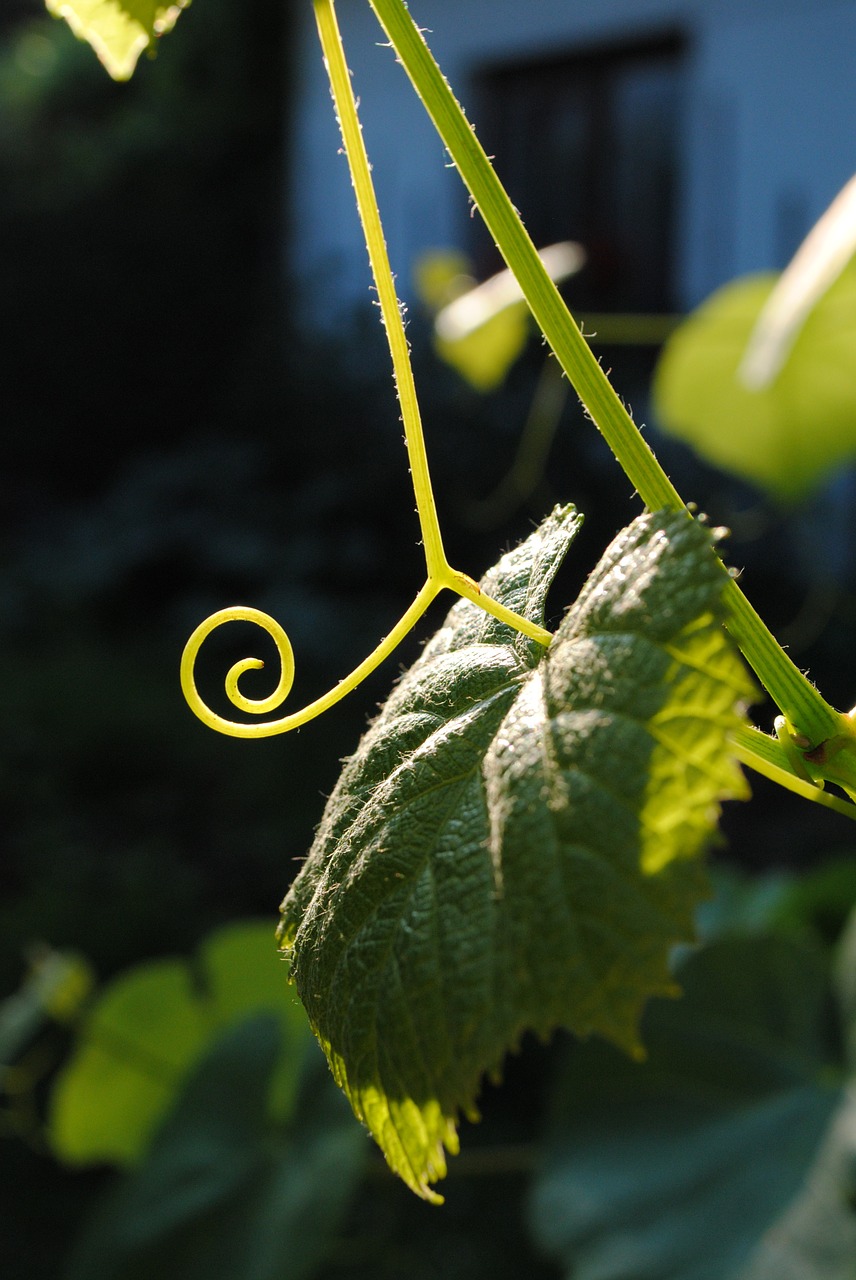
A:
(513, 845)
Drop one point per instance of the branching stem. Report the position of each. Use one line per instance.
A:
(440, 574)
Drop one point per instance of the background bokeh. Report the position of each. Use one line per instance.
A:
(172, 444)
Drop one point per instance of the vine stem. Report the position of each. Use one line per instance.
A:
(440, 572)
(355, 151)
(806, 710)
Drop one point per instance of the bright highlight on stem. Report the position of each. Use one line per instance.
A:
(440, 574)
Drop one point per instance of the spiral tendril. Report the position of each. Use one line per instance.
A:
(451, 580)
(254, 706)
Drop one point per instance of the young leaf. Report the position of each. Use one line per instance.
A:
(513, 844)
(118, 30)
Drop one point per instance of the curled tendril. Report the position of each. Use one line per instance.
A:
(261, 706)
(452, 580)
(255, 706)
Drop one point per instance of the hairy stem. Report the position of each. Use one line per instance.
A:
(792, 692)
(440, 572)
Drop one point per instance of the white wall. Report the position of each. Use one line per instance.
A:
(769, 136)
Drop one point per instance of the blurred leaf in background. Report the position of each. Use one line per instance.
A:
(484, 353)
(730, 1153)
(204, 1078)
(222, 1191)
(785, 437)
(149, 1028)
(759, 380)
(482, 329)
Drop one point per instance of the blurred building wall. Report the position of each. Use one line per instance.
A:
(765, 140)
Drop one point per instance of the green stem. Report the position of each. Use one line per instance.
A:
(520, 254)
(807, 711)
(766, 756)
(440, 572)
(352, 137)
(795, 696)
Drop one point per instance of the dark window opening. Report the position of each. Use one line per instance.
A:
(587, 146)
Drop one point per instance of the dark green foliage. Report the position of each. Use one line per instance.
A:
(730, 1153)
(222, 1193)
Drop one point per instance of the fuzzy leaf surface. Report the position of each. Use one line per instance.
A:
(513, 846)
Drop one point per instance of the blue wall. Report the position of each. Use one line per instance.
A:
(768, 139)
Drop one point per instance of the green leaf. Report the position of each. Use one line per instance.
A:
(846, 982)
(813, 906)
(514, 843)
(118, 30)
(787, 436)
(725, 1156)
(819, 903)
(151, 1025)
(222, 1192)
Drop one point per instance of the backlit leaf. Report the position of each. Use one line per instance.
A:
(148, 1029)
(514, 843)
(485, 356)
(788, 435)
(118, 30)
(484, 353)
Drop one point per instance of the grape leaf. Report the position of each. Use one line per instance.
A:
(513, 844)
(118, 30)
